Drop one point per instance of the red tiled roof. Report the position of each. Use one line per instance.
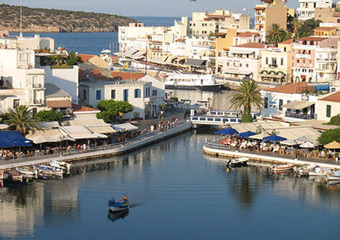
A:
(289, 41)
(298, 87)
(220, 34)
(247, 34)
(180, 39)
(259, 8)
(58, 103)
(252, 45)
(312, 38)
(95, 73)
(86, 57)
(218, 16)
(336, 14)
(126, 75)
(335, 97)
(80, 108)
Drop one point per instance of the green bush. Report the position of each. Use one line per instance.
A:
(47, 116)
(329, 136)
(335, 120)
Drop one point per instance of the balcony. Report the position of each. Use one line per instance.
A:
(38, 85)
(300, 115)
(37, 102)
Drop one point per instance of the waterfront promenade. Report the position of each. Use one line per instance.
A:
(110, 149)
(215, 148)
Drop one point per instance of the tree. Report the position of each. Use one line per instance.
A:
(275, 34)
(47, 116)
(247, 95)
(329, 136)
(73, 58)
(110, 109)
(307, 27)
(335, 120)
(22, 119)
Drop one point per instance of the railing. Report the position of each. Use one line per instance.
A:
(300, 115)
(93, 148)
(215, 119)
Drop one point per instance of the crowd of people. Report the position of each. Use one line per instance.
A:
(259, 146)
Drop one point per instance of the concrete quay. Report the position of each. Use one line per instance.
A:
(110, 150)
(214, 149)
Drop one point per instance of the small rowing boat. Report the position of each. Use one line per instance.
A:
(279, 168)
(116, 206)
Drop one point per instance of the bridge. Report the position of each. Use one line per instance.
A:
(220, 118)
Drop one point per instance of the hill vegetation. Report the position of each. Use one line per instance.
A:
(53, 20)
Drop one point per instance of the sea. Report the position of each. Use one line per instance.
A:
(175, 192)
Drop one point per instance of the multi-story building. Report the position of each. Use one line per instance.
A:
(269, 13)
(241, 61)
(209, 23)
(328, 106)
(146, 95)
(275, 65)
(307, 8)
(20, 82)
(314, 59)
(31, 43)
(246, 37)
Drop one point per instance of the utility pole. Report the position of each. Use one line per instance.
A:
(146, 57)
(20, 18)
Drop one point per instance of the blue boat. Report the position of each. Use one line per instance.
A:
(116, 206)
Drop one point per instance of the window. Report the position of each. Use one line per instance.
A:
(147, 92)
(16, 102)
(280, 104)
(265, 102)
(328, 111)
(98, 94)
(126, 95)
(84, 93)
(282, 61)
(113, 94)
(138, 93)
(154, 92)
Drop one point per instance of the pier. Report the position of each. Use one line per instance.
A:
(215, 148)
(103, 151)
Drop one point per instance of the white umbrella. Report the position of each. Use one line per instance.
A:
(289, 142)
(307, 145)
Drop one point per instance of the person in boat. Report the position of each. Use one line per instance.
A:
(124, 198)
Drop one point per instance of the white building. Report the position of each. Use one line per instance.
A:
(31, 43)
(241, 61)
(307, 8)
(290, 102)
(21, 82)
(145, 95)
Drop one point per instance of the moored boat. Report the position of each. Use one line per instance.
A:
(27, 173)
(286, 167)
(190, 81)
(320, 172)
(60, 164)
(1, 175)
(116, 206)
(238, 162)
(333, 176)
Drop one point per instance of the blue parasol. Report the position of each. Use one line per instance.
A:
(274, 138)
(227, 131)
(247, 134)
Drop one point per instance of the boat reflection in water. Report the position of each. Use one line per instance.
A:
(113, 216)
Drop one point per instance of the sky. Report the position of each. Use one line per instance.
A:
(157, 8)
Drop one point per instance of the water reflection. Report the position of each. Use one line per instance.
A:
(114, 216)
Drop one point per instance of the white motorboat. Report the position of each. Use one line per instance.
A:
(333, 176)
(189, 81)
(282, 168)
(60, 164)
(27, 172)
(238, 162)
(320, 172)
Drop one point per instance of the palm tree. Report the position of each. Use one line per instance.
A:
(22, 119)
(296, 24)
(246, 95)
(275, 34)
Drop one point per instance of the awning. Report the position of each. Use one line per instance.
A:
(81, 132)
(125, 127)
(170, 59)
(195, 62)
(139, 55)
(13, 139)
(94, 124)
(130, 52)
(48, 135)
(58, 103)
(298, 105)
(237, 72)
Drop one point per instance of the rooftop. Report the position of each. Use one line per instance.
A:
(53, 91)
(335, 97)
(292, 88)
(86, 57)
(324, 28)
(247, 34)
(252, 45)
(289, 41)
(80, 108)
(312, 38)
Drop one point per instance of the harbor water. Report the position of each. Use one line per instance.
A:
(175, 192)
